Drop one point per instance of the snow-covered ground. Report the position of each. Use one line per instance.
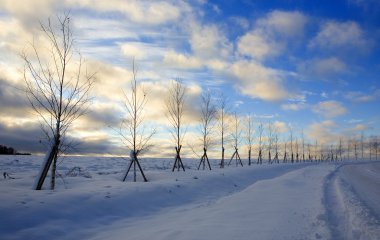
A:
(279, 201)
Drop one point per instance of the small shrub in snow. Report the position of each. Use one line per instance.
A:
(77, 171)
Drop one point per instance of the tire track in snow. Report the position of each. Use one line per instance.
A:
(347, 216)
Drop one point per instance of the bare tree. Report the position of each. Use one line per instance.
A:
(207, 123)
(222, 124)
(291, 144)
(270, 129)
(296, 146)
(132, 129)
(236, 137)
(322, 152)
(331, 152)
(303, 146)
(309, 152)
(249, 136)
(175, 104)
(370, 145)
(376, 145)
(355, 143)
(57, 86)
(316, 151)
(362, 144)
(276, 145)
(260, 131)
(285, 160)
(340, 149)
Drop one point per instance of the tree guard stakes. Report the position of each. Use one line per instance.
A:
(135, 162)
(203, 160)
(178, 161)
(237, 157)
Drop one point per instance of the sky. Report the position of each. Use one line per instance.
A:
(309, 66)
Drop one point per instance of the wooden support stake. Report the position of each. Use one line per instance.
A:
(237, 157)
(135, 162)
(178, 161)
(203, 160)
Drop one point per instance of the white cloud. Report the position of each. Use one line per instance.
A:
(217, 64)
(271, 34)
(29, 11)
(208, 42)
(322, 68)
(336, 36)
(324, 132)
(288, 24)
(359, 128)
(258, 81)
(330, 109)
(360, 97)
(181, 61)
(293, 106)
(255, 45)
(94, 28)
(329, 66)
(110, 79)
(281, 127)
(132, 50)
(144, 12)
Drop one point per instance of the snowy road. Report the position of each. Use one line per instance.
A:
(285, 201)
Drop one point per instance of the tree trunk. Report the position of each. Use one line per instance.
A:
(222, 161)
(46, 167)
(249, 157)
(53, 171)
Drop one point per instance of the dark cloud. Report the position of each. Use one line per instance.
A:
(30, 138)
(13, 100)
(26, 138)
(102, 117)
(99, 146)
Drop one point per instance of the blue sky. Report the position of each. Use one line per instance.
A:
(305, 65)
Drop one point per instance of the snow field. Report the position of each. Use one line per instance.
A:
(285, 201)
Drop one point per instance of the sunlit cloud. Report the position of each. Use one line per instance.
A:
(258, 81)
(281, 127)
(330, 109)
(324, 132)
(178, 60)
(359, 128)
